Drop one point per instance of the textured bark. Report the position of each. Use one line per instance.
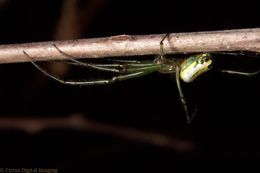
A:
(134, 45)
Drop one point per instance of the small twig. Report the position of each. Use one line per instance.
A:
(78, 122)
(125, 45)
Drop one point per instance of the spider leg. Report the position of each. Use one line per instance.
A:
(134, 62)
(122, 67)
(183, 101)
(129, 73)
(99, 81)
(117, 68)
(99, 65)
(241, 73)
(240, 53)
(125, 61)
(161, 46)
(111, 67)
(89, 65)
(128, 68)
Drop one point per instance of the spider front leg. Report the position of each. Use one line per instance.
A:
(89, 65)
(161, 46)
(241, 73)
(122, 66)
(98, 81)
(129, 73)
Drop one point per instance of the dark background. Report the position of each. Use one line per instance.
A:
(225, 129)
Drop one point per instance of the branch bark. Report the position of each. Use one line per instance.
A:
(133, 45)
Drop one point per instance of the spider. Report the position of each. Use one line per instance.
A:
(186, 69)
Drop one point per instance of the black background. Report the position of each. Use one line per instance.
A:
(225, 129)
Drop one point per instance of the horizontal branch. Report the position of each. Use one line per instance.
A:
(134, 45)
(79, 122)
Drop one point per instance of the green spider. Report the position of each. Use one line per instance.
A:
(186, 69)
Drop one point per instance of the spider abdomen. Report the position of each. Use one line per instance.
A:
(194, 66)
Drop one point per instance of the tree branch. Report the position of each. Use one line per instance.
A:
(127, 45)
(79, 122)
